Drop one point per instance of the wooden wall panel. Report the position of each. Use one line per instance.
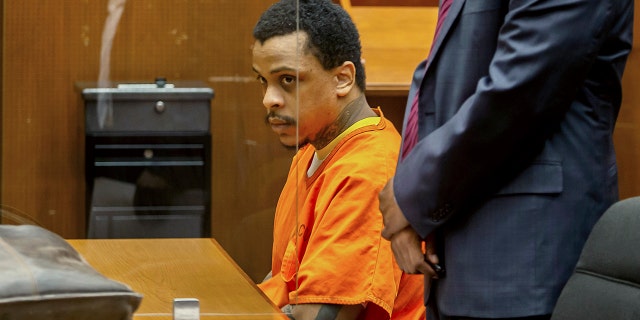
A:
(50, 45)
(627, 132)
(1, 88)
(41, 121)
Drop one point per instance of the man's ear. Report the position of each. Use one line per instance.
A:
(346, 78)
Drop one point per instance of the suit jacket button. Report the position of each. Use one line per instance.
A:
(441, 213)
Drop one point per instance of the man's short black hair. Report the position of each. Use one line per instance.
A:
(332, 35)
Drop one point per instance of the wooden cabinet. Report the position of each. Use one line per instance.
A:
(148, 161)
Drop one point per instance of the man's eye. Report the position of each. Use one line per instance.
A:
(261, 79)
(288, 80)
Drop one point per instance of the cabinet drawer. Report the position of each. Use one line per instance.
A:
(150, 116)
(183, 107)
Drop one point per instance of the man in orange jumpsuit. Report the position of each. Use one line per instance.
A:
(329, 260)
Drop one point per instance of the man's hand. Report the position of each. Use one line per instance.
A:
(392, 215)
(407, 248)
(405, 242)
(430, 256)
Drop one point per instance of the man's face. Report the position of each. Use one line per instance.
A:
(297, 90)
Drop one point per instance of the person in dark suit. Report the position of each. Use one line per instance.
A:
(514, 162)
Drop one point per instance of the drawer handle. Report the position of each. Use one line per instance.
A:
(148, 153)
(160, 107)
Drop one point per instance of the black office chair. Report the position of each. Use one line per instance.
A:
(606, 281)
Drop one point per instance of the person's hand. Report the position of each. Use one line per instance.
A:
(430, 255)
(410, 256)
(407, 248)
(392, 215)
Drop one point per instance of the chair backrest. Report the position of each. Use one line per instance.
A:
(13, 216)
(606, 281)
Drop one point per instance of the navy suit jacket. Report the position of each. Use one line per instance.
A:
(515, 163)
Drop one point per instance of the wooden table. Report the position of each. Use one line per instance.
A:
(164, 269)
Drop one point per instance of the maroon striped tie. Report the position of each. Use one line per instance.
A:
(411, 131)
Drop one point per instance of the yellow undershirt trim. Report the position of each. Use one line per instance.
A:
(320, 155)
(324, 152)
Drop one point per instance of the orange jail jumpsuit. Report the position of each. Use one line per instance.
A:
(333, 253)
